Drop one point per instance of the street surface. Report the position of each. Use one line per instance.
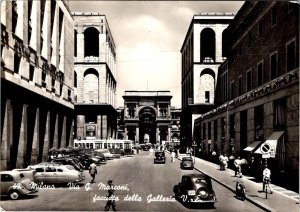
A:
(139, 182)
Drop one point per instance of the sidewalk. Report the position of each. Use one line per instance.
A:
(281, 200)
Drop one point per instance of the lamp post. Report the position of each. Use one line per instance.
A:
(194, 145)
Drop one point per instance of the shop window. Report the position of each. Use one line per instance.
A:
(280, 114)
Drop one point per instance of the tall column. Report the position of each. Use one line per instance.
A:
(169, 134)
(109, 129)
(104, 127)
(157, 135)
(137, 140)
(64, 133)
(7, 135)
(35, 141)
(71, 132)
(22, 139)
(46, 138)
(99, 128)
(55, 138)
(80, 126)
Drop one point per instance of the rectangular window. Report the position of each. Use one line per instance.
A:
(273, 65)
(260, 28)
(232, 90)
(240, 86)
(31, 72)
(274, 16)
(260, 74)
(206, 96)
(17, 61)
(249, 80)
(280, 114)
(291, 56)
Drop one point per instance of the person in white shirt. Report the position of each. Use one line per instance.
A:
(267, 178)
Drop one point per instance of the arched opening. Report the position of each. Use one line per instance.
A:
(207, 86)
(147, 117)
(91, 84)
(208, 46)
(91, 42)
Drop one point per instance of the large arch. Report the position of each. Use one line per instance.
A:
(147, 124)
(91, 86)
(208, 45)
(207, 85)
(91, 42)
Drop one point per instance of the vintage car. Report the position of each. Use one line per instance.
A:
(69, 161)
(195, 188)
(106, 153)
(187, 163)
(56, 174)
(159, 157)
(15, 184)
(116, 152)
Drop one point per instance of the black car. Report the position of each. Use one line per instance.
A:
(146, 148)
(160, 157)
(69, 161)
(187, 163)
(195, 188)
(86, 160)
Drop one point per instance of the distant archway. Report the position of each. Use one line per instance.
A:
(91, 86)
(147, 117)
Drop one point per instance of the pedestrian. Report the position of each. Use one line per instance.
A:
(221, 158)
(237, 166)
(187, 150)
(177, 153)
(191, 151)
(111, 196)
(151, 151)
(93, 171)
(267, 178)
(173, 157)
(225, 161)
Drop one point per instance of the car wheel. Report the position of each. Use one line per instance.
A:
(14, 194)
(176, 190)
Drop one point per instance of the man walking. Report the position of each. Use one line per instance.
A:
(93, 171)
(111, 200)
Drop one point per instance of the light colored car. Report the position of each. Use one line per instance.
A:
(106, 153)
(16, 184)
(56, 173)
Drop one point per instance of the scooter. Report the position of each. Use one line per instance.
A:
(240, 191)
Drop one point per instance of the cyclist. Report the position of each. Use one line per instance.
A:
(267, 178)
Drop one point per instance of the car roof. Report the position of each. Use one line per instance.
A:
(199, 175)
(10, 172)
(187, 158)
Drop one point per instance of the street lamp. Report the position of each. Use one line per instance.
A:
(194, 145)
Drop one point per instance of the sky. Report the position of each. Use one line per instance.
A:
(148, 37)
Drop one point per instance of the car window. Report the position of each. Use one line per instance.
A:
(50, 169)
(60, 170)
(6, 178)
(39, 170)
(200, 181)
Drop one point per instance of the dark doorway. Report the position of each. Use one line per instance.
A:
(244, 133)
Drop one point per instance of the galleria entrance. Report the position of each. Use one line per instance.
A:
(147, 125)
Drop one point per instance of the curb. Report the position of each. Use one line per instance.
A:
(260, 205)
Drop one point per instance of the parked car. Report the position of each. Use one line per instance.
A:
(70, 161)
(99, 155)
(56, 173)
(187, 163)
(16, 184)
(159, 157)
(145, 147)
(116, 152)
(106, 153)
(195, 188)
(86, 160)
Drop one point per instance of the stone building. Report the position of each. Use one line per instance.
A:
(257, 95)
(36, 80)
(95, 77)
(202, 54)
(147, 116)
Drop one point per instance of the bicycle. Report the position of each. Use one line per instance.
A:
(266, 186)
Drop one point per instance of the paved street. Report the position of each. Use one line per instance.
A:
(140, 179)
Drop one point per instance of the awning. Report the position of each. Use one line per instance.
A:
(252, 146)
(269, 146)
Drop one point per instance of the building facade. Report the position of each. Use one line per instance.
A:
(36, 80)
(95, 77)
(148, 117)
(257, 95)
(202, 54)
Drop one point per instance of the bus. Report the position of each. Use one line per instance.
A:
(125, 145)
